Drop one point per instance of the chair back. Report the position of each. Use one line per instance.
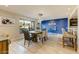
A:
(63, 31)
(44, 34)
(26, 36)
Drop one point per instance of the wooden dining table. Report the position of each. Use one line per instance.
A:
(36, 32)
(70, 36)
(35, 35)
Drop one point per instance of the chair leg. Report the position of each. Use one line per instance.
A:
(45, 39)
(29, 43)
(42, 40)
(72, 43)
(24, 42)
(63, 42)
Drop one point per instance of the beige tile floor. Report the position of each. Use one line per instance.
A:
(49, 47)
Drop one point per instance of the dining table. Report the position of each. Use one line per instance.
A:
(37, 32)
(35, 35)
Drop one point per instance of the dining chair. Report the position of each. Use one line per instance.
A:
(43, 36)
(34, 37)
(70, 39)
(40, 37)
(27, 36)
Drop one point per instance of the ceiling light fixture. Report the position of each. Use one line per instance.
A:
(40, 14)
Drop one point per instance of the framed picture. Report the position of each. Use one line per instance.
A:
(73, 22)
(7, 21)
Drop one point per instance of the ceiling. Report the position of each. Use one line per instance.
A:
(48, 11)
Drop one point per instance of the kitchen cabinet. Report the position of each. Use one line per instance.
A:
(4, 47)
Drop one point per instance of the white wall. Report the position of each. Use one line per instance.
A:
(12, 31)
(78, 27)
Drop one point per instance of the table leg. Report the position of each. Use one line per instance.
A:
(63, 41)
(75, 45)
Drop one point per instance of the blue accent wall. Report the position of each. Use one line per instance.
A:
(55, 25)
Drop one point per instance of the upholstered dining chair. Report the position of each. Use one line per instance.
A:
(43, 36)
(27, 36)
